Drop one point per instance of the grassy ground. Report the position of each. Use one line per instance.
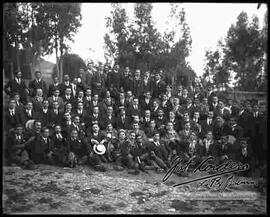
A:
(62, 190)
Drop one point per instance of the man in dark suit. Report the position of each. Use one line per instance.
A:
(158, 86)
(67, 97)
(28, 113)
(42, 148)
(55, 114)
(15, 148)
(12, 116)
(146, 102)
(113, 81)
(207, 125)
(136, 84)
(17, 85)
(59, 149)
(95, 118)
(44, 112)
(213, 104)
(122, 121)
(108, 118)
(134, 109)
(146, 84)
(82, 113)
(66, 84)
(145, 121)
(54, 85)
(56, 98)
(37, 100)
(37, 83)
(126, 81)
(66, 125)
(19, 105)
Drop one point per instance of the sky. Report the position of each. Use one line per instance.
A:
(208, 22)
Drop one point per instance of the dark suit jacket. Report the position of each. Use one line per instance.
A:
(145, 106)
(11, 121)
(59, 100)
(122, 125)
(158, 88)
(25, 117)
(63, 87)
(34, 85)
(52, 87)
(205, 127)
(126, 83)
(105, 121)
(55, 118)
(37, 106)
(136, 88)
(145, 87)
(44, 117)
(12, 86)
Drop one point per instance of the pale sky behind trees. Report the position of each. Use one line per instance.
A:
(208, 22)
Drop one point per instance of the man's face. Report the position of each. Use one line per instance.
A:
(152, 124)
(74, 134)
(77, 120)
(122, 96)
(129, 94)
(68, 91)
(132, 136)
(108, 94)
(127, 70)
(157, 77)
(193, 136)
(109, 127)
(19, 130)
(122, 135)
(57, 129)
(66, 78)
(186, 116)
(146, 74)
(46, 104)
(215, 99)
(180, 88)
(19, 75)
(210, 114)
(170, 126)
(46, 133)
(29, 106)
(205, 101)
(139, 139)
(95, 110)
(187, 126)
(255, 108)
(171, 115)
(164, 97)
(160, 113)
(55, 79)
(232, 121)
(38, 75)
(80, 106)
(221, 104)
(155, 104)
(95, 128)
(80, 94)
(185, 92)
(156, 137)
(68, 106)
(230, 102)
(95, 97)
(110, 110)
(219, 121)
(39, 92)
(135, 126)
(147, 113)
(137, 73)
(37, 126)
(68, 116)
(136, 102)
(209, 135)
(88, 92)
(148, 95)
(17, 98)
(55, 105)
(56, 93)
(12, 104)
(196, 114)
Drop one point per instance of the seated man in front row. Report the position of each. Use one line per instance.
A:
(16, 152)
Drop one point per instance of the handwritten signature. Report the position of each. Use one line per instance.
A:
(217, 178)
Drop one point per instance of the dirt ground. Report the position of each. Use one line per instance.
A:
(55, 190)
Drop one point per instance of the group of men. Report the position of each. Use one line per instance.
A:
(134, 121)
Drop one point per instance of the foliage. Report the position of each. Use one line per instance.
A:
(140, 45)
(243, 52)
